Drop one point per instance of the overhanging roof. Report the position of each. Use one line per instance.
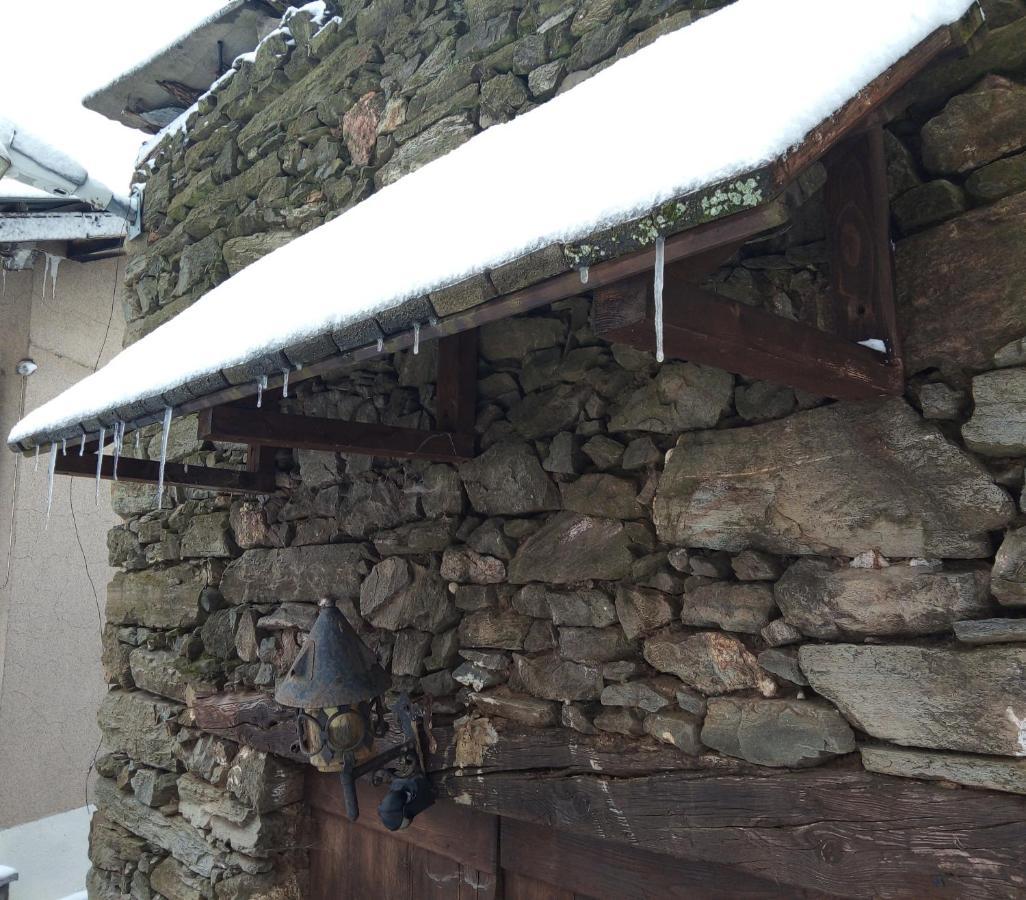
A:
(161, 88)
(493, 227)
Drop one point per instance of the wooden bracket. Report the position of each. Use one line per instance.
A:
(705, 328)
(144, 471)
(263, 428)
(452, 441)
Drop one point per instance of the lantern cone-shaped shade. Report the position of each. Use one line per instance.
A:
(333, 668)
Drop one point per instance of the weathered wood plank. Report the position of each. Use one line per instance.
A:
(703, 327)
(251, 718)
(858, 241)
(265, 428)
(142, 471)
(609, 871)
(466, 835)
(838, 832)
(456, 388)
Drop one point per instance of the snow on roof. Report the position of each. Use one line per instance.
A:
(712, 101)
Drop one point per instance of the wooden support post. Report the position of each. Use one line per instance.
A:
(456, 389)
(705, 328)
(859, 242)
(143, 471)
(270, 429)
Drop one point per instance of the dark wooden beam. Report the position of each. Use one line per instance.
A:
(264, 428)
(456, 387)
(705, 328)
(834, 831)
(143, 471)
(248, 717)
(859, 242)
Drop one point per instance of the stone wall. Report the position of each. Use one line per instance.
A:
(666, 552)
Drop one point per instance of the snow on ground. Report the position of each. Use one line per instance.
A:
(709, 102)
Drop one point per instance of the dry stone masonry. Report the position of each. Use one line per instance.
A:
(665, 552)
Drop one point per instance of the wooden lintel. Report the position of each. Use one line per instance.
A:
(144, 471)
(456, 384)
(704, 327)
(258, 427)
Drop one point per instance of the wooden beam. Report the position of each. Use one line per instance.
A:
(835, 830)
(264, 428)
(251, 718)
(144, 471)
(456, 383)
(859, 242)
(705, 328)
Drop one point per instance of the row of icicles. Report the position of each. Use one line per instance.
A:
(119, 435)
(119, 427)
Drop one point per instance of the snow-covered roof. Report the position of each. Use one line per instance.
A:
(138, 97)
(710, 103)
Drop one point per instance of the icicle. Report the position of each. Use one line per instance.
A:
(381, 344)
(284, 383)
(81, 446)
(119, 437)
(584, 274)
(3, 284)
(416, 338)
(261, 387)
(99, 461)
(35, 467)
(136, 440)
(660, 263)
(163, 456)
(64, 446)
(53, 263)
(49, 483)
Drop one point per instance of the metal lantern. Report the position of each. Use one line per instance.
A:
(336, 683)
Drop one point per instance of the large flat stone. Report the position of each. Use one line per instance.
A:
(996, 773)
(159, 598)
(832, 603)
(991, 631)
(969, 700)
(296, 573)
(140, 724)
(570, 548)
(960, 287)
(837, 480)
(789, 733)
(998, 424)
(976, 128)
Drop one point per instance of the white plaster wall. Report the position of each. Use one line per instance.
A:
(53, 575)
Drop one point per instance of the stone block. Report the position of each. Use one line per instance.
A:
(528, 710)
(296, 573)
(159, 598)
(553, 678)
(680, 729)
(998, 423)
(140, 724)
(993, 773)
(732, 607)
(783, 733)
(570, 548)
(873, 476)
(710, 662)
(831, 603)
(967, 700)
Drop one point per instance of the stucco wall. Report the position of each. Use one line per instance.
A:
(51, 574)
